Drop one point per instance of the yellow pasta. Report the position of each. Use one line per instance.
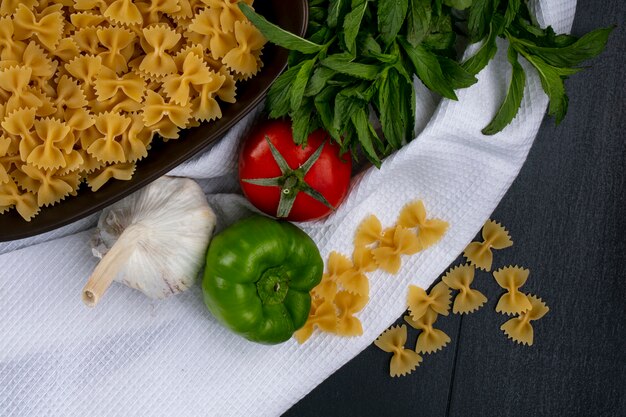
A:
(85, 86)
(337, 266)
(468, 299)
(369, 232)
(322, 316)
(354, 280)
(430, 339)
(242, 58)
(519, 328)
(511, 279)
(480, 254)
(430, 231)
(404, 361)
(349, 304)
(404, 242)
(419, 301)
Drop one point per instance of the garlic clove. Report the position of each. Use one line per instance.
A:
(154, 240)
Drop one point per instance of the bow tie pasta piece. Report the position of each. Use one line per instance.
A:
(495, 236)
(369, 232)
(52, 186)
(337, 266)
(15, 80)
(430, 340)
(69, 95)
(85, 69)
(47, 30)
(8, 7)
(35, 58)
(468, 299)
(10, 49)
(229, 12)
(354, 279)
(519, 328)
(82, 20)
(124, 12)
(123, 172)
(25, 202)
(242, 58)
(100, 5)
(389, 258)
(47, 155)
(205, 30)
(107, 147)
(66, 50)
(129, 85)
(404, 361)
(205, 107)
(430, 231)
(323, 315)
(87, 41)
(511, 279)
(228, 92)
(438, 300)
(156, 109)
(349, 304)
(114, 40)
(136, 140)
(194, 72)
(157, 61)
(20, 123)
(153, 11)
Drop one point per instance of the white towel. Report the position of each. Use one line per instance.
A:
(135, 357)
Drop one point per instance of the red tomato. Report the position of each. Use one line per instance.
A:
(329, 175)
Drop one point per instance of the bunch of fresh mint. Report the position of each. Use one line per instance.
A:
(360, 58)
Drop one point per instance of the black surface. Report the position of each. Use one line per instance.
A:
(567, 215)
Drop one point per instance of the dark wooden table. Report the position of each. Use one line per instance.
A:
(567, 215)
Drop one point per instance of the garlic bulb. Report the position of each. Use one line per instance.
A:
(154, 240)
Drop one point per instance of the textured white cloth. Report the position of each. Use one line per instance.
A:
(135, 357)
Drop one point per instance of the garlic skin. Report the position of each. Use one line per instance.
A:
(155, 240)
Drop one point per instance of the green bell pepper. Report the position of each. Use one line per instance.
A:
(258, 276)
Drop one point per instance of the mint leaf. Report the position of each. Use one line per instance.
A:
(479, 18)
(278, 35)
(485, 53)
(300, 82)
(391, 16)
(418, 20)
(427, 68)
(278, 97)
(345, 106)
(512, 9)
(303, 122)
(587, 47)
(352, 24)
(455, 74)
(361, 124)
(458, 4)
(343, 63)
(326, 112)
(553, 85)
(318, 81)
(392, 120)
(336, 11)
(509, 108)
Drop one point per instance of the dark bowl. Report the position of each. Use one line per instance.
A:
(292, 15)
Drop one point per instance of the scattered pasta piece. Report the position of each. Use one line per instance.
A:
(336, 267)
(322, 316)
(495, 236)
(468, 299)
(349, 304)
(404, 361)
(513, 301)
(419, 302)
(519, 328)
(430, 339)
(430, 231)
(370, 231)
(388, 258)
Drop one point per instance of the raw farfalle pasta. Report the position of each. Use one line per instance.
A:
(419, 301)
(348, 305)
(337, 265)
(322, 316)
(389, 258)
(85, 86)
(404, 361)
(468, 299)
(511, 279)
(429, 231)
(354, 279)
(519, 328)
(494, 237)
(430, 339)
(369, 232)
